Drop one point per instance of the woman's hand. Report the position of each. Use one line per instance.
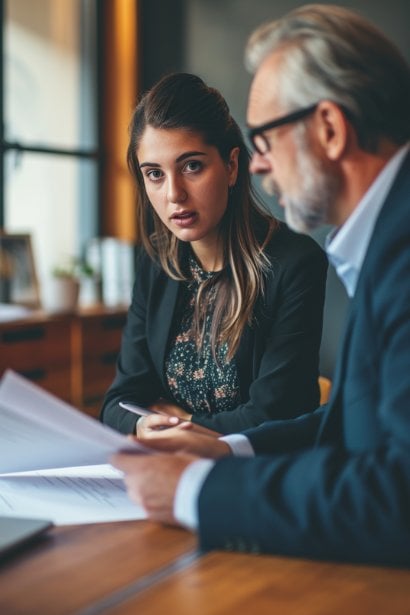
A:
(153, 423)
(164, 407)
(149, 426)
(181, 437)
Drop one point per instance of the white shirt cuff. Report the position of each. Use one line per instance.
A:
(187, 492)
(239, 444)
(194, 476)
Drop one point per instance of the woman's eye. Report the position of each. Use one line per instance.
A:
(154, 174)
(192, 166)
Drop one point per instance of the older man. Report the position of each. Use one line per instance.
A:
(329, 117)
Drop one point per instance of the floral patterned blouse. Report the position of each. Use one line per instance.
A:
(197, 382)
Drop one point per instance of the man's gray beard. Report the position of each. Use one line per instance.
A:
(317, 192)
(301, 219)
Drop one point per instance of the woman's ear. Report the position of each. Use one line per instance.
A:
(332, 129)
(233, 166)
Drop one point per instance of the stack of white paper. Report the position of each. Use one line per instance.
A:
(40, 433)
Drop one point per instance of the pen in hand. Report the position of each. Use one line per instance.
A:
(131, 407)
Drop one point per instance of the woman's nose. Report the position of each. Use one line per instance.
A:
(176, 190)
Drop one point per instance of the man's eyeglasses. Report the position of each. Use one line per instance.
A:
(259, 140)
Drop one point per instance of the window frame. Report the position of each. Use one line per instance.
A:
(95, 154)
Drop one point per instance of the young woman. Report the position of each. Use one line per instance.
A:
(225, 322)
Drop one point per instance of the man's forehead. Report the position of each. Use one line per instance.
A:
(263, 102)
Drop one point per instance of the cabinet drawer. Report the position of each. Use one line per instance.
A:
(35, 346)
(98, 375)
(54, 380)
(101, 337)
(41, 352)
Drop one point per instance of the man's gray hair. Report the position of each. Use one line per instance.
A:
(333, 53)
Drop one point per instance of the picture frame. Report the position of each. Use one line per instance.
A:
(18, 276)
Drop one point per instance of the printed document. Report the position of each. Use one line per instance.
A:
(53, 459)
(39, 431)
(87, 494)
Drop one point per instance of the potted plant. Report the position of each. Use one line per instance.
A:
(90, 284)
(64, 288)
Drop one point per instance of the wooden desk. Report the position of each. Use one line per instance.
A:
(141, 567)
(74, 567)
(233, 583)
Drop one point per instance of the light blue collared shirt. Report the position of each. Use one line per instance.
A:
(346, 246)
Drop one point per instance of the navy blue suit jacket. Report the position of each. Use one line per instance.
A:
(336, 483)
(278, 355)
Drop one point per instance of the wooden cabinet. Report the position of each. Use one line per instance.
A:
(72, 356)
(39, 349)
(96, 337)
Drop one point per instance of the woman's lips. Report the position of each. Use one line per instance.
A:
(184, 219)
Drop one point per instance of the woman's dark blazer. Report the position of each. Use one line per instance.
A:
(278, 356)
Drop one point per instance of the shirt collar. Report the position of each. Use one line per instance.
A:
(346, 246)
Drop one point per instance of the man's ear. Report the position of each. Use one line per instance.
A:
(332, 129)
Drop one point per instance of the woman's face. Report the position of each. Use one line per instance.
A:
(187, 182)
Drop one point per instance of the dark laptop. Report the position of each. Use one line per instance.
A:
(16, 532)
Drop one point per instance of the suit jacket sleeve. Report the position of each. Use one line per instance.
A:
(279, 356)
(287, 436)
(322, 503)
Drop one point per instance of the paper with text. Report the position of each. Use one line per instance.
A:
(40, 431)
(87, 494)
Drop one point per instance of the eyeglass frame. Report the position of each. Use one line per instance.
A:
(257, 131)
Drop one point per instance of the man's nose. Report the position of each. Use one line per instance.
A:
(176, 190)
(259, 164)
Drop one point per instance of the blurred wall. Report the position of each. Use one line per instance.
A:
(208, 37)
